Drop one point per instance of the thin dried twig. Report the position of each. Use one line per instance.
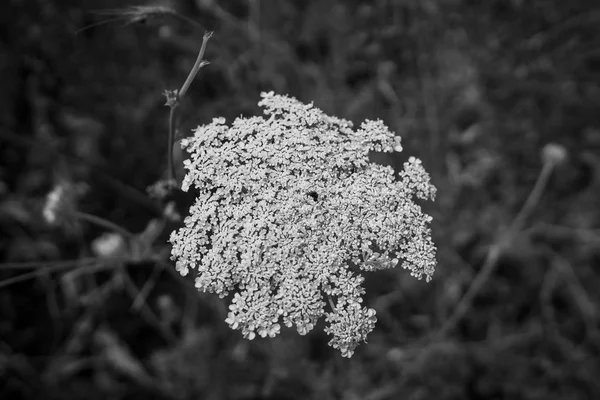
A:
(174, 98)
(58, 266)
(45, 264)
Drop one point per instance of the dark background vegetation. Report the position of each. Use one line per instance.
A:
(476, 89)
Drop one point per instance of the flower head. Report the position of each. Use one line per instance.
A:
(290, 210)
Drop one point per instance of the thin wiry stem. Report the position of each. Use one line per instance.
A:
(139, 14)
(44, 264)
(102, 223)
(174, 98)
(171, 142)
(52, 268)
(496, 250)
(197, 65)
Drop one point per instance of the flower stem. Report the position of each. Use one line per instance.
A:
(174, 98)
(93, 219)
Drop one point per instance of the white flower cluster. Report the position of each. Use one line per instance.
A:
(289, 210)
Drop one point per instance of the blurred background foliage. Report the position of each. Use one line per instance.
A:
(476, 89)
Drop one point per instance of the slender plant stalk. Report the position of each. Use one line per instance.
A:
(44, 264)
(174, 99)
(496, 250)
(172, 128)
(52, 268)
(200, 62)
(102, 223)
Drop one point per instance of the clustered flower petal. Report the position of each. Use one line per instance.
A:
(289, 210)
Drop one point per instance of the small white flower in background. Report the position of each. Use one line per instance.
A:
(61, 202)
(170, 212)
(108, 245)
(53, 203)
(555, 154)
(290, 209)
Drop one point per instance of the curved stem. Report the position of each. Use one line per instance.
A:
(102, 223)
(496, 250)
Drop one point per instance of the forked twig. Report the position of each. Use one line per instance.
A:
(174, 99)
